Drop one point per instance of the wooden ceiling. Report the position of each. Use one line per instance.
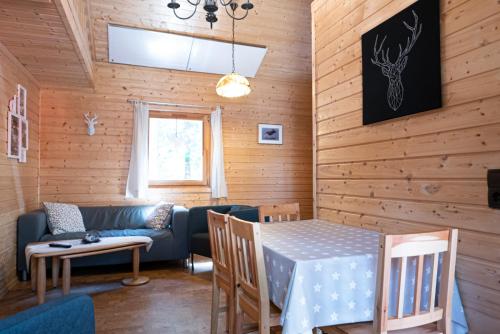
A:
(39, 35)
(36, 33)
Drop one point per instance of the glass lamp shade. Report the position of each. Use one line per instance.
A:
(233, 85)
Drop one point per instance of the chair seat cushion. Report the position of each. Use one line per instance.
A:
(367, 328)
(153, 234)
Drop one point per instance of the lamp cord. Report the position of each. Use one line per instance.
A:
(234, 63)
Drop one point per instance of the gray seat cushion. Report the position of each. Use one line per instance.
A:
(155, 235)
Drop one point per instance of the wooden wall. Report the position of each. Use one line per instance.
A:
(420, 172)
(18, 182)
(93, 170)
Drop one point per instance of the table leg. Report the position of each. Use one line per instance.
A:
(41, 280)
(136, 279)
(55, 270)
(66, 278)
(33, 264)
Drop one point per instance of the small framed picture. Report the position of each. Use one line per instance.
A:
(271, 134)
(21, 101)
(14, 132)
(24, 134)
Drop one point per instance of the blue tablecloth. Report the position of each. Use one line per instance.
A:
(321, 273)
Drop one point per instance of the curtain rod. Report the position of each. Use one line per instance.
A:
(167, 104)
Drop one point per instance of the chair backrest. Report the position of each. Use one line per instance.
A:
(220, 245)
(279, 212)
(252, 296)
(416, 245)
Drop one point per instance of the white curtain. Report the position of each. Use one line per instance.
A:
(137, 182)
(218, 179)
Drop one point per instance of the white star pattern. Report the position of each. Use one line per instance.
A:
(335, 276)
(274, 263)
(367, 312)
(369, 274)
(317, 308)
(335, 296)
(281, 267)
(428, 270)
(305, 323)
(368, 293)
(352, 285)
(318, 267)
(353, 265)
(334, 316)
(351, 305)
(317, 288)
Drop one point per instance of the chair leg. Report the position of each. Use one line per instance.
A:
(239, 323)
(214, 323)
(192, 263)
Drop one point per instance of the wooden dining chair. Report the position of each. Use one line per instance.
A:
(279, 212)
(252, 296)
(419, 321)
(222, 275)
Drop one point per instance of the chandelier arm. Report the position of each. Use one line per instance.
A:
(187, 17)
(194, 3)
(225, 3)
(234, 16)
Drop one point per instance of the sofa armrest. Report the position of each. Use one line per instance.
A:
(31, 227)
(180, 229)
(69, 315)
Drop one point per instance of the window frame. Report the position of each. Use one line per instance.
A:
(155, 114)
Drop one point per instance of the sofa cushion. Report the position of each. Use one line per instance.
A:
(116, 217)
(146, 232)
(63, 218)
(159, 218)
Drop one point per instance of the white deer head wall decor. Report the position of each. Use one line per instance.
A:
(91, 122)
(393, 70)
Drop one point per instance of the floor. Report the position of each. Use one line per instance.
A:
(174, 301)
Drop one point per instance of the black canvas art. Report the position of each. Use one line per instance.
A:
(402, 64)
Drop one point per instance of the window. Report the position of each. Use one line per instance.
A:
(178, 149)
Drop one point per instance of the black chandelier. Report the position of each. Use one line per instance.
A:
(211, 7)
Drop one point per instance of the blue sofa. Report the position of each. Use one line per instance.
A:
(110, 221)
(69, 315)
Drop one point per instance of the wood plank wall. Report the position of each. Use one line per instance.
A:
(18, 182)
(420, 172)
(93, 170)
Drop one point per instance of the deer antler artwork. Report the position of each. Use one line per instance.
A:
(91, 122)
(393, 70)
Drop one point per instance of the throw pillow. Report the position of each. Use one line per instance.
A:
(63, 218)
(160, 217)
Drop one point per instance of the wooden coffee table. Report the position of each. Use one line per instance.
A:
(107, 245)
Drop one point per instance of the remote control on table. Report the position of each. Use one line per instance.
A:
(60, 245)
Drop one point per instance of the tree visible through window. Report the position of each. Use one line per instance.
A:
(176, 149)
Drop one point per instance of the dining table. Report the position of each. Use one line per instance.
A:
(322, 273)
